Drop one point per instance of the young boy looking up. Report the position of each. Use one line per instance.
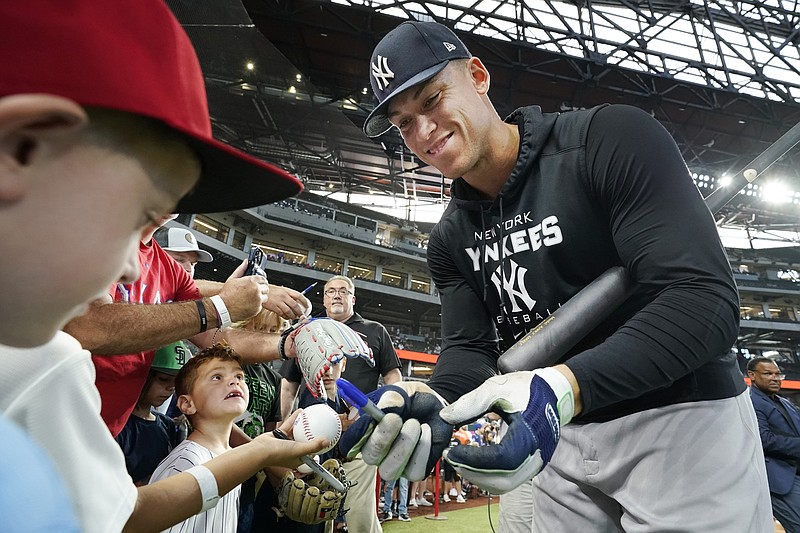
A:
(212, 393)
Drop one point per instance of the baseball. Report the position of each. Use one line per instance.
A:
(318, 420)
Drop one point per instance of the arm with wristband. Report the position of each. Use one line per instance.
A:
(171, 500)
(149, 326)
(284, 301)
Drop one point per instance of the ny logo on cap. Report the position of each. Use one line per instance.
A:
(381, 72)
(450, 46)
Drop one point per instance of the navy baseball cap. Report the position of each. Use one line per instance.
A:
(410, 54)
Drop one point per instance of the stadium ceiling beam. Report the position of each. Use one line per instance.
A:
(716, 115)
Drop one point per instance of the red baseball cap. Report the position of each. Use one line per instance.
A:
(132, 56)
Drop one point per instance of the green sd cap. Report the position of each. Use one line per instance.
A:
(170, 358)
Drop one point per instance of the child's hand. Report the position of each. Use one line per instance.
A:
(287, 426)
(287, 453)
(346, 421)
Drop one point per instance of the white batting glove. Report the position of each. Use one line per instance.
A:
(408, 440)
(535, 404)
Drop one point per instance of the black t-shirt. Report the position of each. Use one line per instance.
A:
(146, 443)
(264, 405)
(359, 372)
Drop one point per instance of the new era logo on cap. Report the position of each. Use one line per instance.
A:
(408, 55)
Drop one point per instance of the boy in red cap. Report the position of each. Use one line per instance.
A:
(104, 128)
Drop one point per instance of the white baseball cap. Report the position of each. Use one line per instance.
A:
(183, 240)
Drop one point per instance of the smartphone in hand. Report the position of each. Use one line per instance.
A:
(256, 263)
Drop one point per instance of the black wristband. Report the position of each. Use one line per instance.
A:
(282, 344)
(201, 310)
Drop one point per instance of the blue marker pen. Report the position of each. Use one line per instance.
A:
(309, 287)
(355, 397)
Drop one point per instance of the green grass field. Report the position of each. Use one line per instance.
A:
(472, 520)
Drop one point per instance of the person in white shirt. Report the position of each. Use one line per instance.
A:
(104, 128)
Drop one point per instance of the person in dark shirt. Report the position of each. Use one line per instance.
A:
(148, 436)
(542, 204)
(779, 427)
(339, 300)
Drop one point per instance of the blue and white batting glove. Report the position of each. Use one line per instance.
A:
(410, 437)
(535, 404)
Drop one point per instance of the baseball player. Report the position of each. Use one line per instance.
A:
(645, 425)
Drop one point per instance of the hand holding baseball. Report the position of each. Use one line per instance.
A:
(318, 421)
(288, 453)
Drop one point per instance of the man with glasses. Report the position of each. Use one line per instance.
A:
(779, 426)
(339, 299)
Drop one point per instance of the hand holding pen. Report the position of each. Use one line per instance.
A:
(355, 397)
(307, 305)
(309, 288)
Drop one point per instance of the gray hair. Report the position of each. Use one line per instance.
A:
(347, 280)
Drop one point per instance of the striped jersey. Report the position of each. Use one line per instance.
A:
(224, 517)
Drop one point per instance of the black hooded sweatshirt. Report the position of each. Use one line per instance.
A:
(590, 190)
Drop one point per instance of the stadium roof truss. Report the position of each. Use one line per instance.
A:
(723, 77)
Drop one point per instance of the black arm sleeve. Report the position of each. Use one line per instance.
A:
(291, 371)
(668, 241)
(469, 341)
